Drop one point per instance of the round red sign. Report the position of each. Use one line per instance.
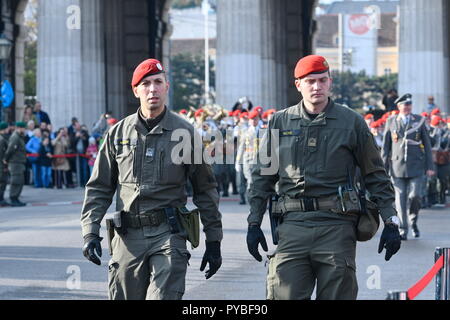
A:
(359, 23)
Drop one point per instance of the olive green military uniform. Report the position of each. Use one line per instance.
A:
(315, 158)
(148, 262)
(3, 174)
(16, 157)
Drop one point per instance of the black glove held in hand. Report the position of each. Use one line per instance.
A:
(91, 243)
(213, 257)
(255, 236)
(391, 240)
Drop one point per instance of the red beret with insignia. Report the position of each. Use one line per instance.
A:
(146, 68)
(310, 64)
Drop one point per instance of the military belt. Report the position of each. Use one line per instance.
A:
(307, 204)
(150, 219)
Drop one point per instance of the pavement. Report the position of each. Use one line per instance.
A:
(40, 255)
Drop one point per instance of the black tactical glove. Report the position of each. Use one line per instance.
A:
(91, 242)
(213, 257)
(391, 240)
(255, 236)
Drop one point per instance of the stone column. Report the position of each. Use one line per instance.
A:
(93, 62)
(423, 67)
(20, 60)
(70, 71)
(238, 68)
(59, 66)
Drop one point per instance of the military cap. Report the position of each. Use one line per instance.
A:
(435, 111)
(112, 121)
(21, 124)
(310, 64)
(183, 111)
(368, 116)
(243, 115)
(3, 125)
(436, 120)
(146, 68)
(404, 99)
(198, 113)
(258, 109)
(253, 114)
(424, 114)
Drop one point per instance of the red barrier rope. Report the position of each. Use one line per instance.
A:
(69, 155)
(422, 283)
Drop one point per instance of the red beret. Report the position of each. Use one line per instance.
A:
(368, 116)
(230, 113)
(183, 111)
(375, 124)
(198, 112)
(253, 114)
(435, 111)
(236, 113)
(243, 114)
(310, 64)
(258, 109)
(424, 114)
(112, 121)
(148, 67)
(435, 121)
(270, 111)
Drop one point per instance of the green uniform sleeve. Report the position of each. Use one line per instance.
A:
(12, 146)
(373, 172)
(206, 199)
(100, 188)
(205, 195)
(264, 176)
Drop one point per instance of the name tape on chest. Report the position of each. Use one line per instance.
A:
(290, 133)
(125, 142)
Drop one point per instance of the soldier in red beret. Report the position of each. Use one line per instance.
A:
(148, 232)
(320, 146)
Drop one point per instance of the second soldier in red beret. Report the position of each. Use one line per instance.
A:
(320, 145)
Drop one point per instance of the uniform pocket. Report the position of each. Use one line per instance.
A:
(169, 172)
(126, 164)
(113, 268)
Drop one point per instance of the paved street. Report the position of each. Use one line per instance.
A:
(40, 255)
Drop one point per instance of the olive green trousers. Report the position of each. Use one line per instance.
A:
(148, 268)
(321, 257)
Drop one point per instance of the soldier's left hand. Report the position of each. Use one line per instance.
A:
(91, 243)
(391, 240)
(213, 257)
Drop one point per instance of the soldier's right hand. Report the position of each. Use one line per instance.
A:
(255, 236)
(91, 244)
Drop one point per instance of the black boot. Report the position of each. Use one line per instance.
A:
(415, 231)
(16, 203)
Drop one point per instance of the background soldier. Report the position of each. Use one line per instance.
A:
(407, 153)
(149, 257)
(3, 167)
(320, 145)
(248, 148)
(16, 157)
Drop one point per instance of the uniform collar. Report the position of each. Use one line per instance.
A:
(166, 123)
(299, 112)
